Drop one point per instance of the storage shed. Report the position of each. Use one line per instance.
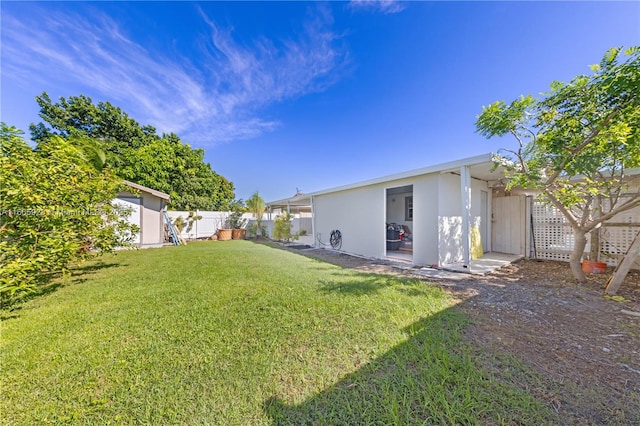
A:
(147, 212)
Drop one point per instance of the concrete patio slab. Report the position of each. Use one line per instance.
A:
(486, 264)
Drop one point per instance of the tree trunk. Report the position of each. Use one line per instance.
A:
(594, 253)
(575, 260)
(595, 245)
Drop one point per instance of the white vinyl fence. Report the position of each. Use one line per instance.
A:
(212, 221)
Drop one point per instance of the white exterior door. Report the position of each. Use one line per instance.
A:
(484, 220)
(508, 224)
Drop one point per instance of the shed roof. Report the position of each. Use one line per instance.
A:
(147, 190)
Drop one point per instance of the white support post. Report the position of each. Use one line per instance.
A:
(465, 187)
(313, 223)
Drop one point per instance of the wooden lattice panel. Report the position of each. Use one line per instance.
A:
(552, 233)
(554, 238)
(617, 235)
(615, 241)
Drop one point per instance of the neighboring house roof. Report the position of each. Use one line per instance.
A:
(147, 190)
(481, 166)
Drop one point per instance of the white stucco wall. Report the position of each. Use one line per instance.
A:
(450, 215)
(449, 219)
(135, 215)
(151, 221)
(425, 220)
(359, 214)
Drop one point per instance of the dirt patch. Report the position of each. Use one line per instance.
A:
(583, 349)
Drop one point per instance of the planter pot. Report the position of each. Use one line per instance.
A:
(239, 234)
(225, 234)
(593, 267)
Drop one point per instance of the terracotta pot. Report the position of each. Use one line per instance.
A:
(593, 267)
(225, 234)
(239, 234)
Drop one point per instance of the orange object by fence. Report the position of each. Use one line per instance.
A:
(593, 267)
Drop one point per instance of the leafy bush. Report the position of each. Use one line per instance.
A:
(55, 209)
(235, 221)
(282, 228)
(253, 229)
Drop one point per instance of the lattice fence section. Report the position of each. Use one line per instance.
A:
(552, 234)
(554, 238)
(614, 243)
(617, 234)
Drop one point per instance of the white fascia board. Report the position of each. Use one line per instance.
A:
(438, 168)
(299, 201)
(147, 190)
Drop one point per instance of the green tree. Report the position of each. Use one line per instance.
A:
(257, 206)
(576, 144)
(137, 153)
(55, 204)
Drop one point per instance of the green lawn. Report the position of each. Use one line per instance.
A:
(237, 333)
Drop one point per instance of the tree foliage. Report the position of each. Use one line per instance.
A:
(56, 209)
(137, 153)
(576, 144)
(256, 206)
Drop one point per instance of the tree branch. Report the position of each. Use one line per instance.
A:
(628, 205)
(586, 210)
(518, 154)
(565, 211)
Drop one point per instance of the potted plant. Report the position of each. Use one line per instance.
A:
(237, 223)
(233, 226)
(224, 232)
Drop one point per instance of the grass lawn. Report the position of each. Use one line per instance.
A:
(236, 333)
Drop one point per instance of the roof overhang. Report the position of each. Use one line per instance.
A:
(481, 167)
(148, 190)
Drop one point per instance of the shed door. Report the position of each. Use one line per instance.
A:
(508, 225)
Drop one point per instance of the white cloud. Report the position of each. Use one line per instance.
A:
(384, 6)
(214, 98)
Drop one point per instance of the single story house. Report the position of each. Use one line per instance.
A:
(449, 214)
(437, 215)
(147, 212)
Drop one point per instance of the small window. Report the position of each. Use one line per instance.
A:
(408, 208)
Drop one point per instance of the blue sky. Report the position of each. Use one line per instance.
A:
(296, 95)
